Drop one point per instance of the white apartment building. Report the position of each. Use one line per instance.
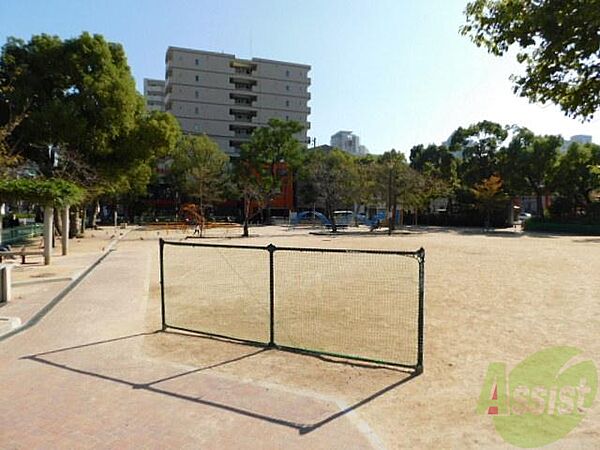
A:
(154, 92)
(226, 97)
(349, 142)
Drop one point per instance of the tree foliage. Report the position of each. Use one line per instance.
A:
(577, 176)
(46, 192)
(399, 186)
(527, 163)
(489, 196)
(559, 44)
(331, 180)
(202, 169)
(435, 161)
(478, 144)
(272, 153)
(79, 96)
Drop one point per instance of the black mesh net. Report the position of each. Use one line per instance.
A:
(354, 303)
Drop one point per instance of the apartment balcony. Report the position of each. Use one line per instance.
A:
(243, 131)
(242, 84)
(243, 101)
(242, 115)
(243, 87)
(243, 67)
(243, 71)
(243, 118)
(237, 143)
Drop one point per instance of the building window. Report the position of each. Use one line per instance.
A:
(196, 110)
(197, 94)
(197, 78)
(287, 73)
(197, 61)
(287, 117)
(287, 103)
(287, 87)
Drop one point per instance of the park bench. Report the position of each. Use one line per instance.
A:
(22, 253)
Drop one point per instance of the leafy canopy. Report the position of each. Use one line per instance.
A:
(559, 44)
(201, 168)
(48, 192)
(79, 94)
(259, 166)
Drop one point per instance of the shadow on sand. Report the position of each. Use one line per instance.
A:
(152, 386)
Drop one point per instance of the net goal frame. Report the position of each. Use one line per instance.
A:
(272, 342)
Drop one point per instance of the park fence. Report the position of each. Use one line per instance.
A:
(366, 305)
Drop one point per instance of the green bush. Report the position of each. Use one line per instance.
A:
(567, 228)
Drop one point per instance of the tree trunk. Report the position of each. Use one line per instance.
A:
(392, 219)
(539, 204)
(48, 234)
(65, 229)
(246, 214)
(75, 224)
(83, 220)
(58, 225)
(201, 218)
(95, 214)
(331, 218)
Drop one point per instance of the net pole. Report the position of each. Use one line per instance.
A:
(271, 249)
(162, 283)
(421, 259)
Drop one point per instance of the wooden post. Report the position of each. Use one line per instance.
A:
(48, 233)
(5, 283)
(1, 216)
(65, 231)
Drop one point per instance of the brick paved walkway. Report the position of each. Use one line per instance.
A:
(81, 379)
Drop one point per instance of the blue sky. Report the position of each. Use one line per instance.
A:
(397, 73)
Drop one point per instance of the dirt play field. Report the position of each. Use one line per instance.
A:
(495, 297)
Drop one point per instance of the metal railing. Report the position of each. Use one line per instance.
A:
(20, 234)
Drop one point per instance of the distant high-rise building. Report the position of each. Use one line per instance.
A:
(226, 97)
(578, 138)
(154, 92)
(349, 142)
(582, 138)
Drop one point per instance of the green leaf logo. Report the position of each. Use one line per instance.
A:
(546, 397)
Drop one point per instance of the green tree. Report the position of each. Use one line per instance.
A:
(272, 154)
(399, 186)
(527, 164)
(489, 197)
(331, 180)
(479, 145)
(577, 176)
(78, 95)
(558, 44)
(435, 161)
(203, 169)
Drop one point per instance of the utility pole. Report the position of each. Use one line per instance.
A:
(390, 201)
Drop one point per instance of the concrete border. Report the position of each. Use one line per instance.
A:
(63, 293)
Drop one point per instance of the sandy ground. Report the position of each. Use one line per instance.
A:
(494, 297)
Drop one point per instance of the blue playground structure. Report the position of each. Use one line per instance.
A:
(360, 218)
(307, 215)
